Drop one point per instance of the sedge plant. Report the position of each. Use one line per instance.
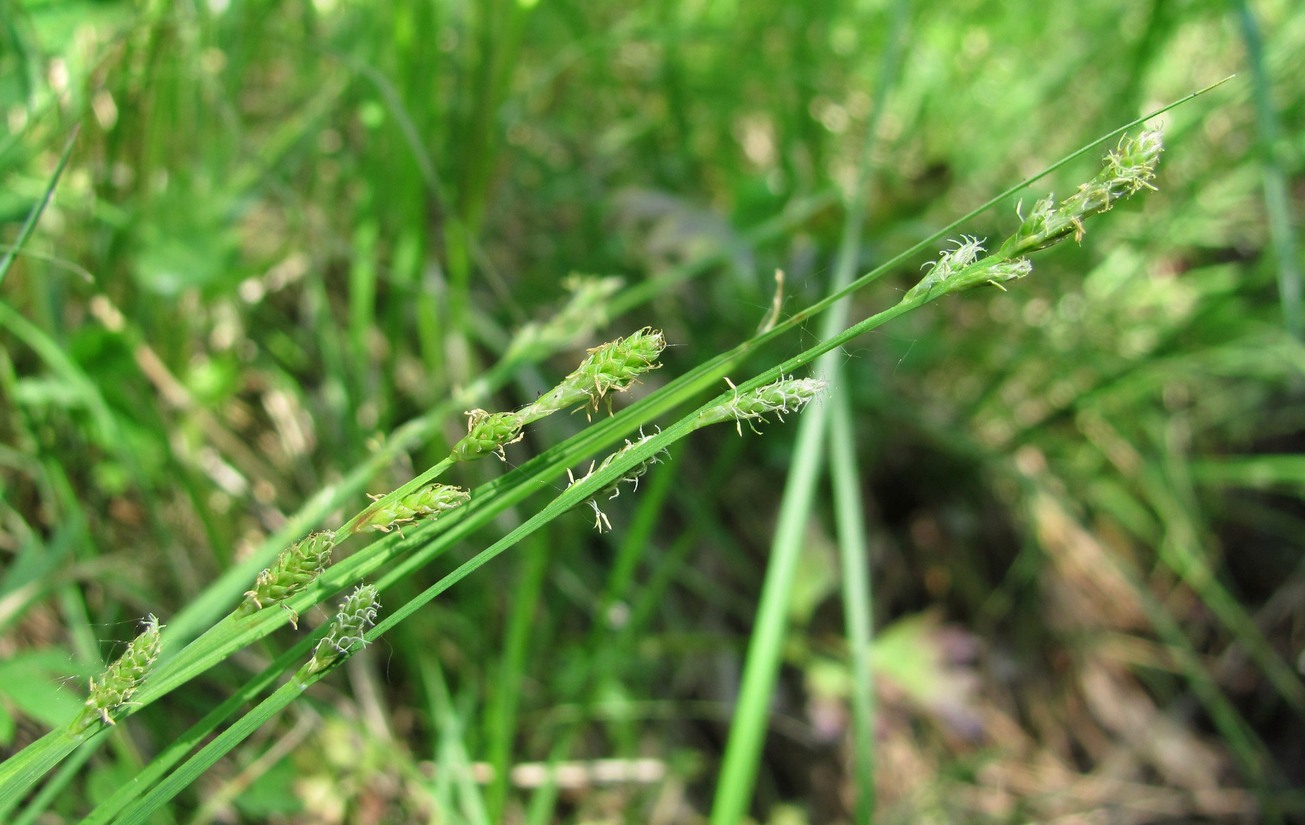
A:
(292, 266)
(423, 519)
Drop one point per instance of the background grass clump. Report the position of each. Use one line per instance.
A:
(291, 243)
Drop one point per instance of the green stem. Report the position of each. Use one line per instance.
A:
(858, 606)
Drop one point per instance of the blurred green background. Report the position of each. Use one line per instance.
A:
(286, 229)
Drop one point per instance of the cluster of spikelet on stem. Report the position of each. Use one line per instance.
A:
(613, 366)
(780, 397)
(1126, 170)
(610, 367)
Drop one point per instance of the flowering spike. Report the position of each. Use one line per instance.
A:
(122, 678)
(1126, 170)
(613, 366)
(488, 433)
(949, 263)
(617, 364)
(782, 396)
(429, 501)
(611, 491)
(357, 613)
(296, 566)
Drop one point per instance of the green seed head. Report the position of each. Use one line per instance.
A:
(122, 678)
(617, 364)
(1126, 170)
(613, 366)
(780, 397)
(488, 433)
(428, 502)
(357, 613)
(296, 566)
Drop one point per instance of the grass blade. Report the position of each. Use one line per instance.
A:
(38, 209)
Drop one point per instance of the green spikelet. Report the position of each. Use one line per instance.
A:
(610, 367)
(296, 566)
(778, 398)
(611, 491)
(488, 433)
(345, 636)
(428, 502)
(1125, 171)
(121, 679)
